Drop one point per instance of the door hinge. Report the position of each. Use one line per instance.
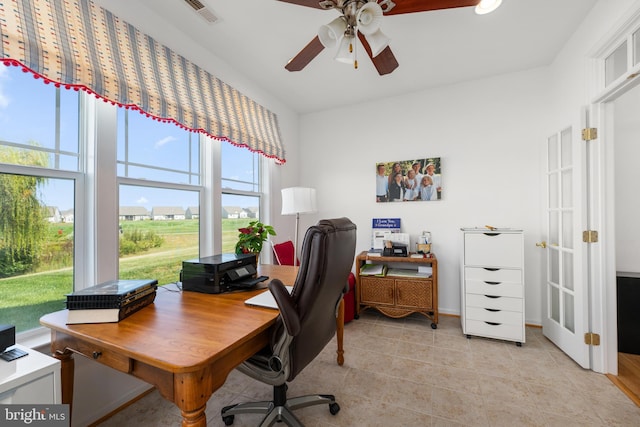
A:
(589, 134)
(590, 236)
(592, 339)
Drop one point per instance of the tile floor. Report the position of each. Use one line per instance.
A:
(401, 373)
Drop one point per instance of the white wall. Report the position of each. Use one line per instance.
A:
(488, 134)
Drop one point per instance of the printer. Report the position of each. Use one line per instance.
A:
(220, 273)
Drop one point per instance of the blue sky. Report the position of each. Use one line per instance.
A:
(27, 112)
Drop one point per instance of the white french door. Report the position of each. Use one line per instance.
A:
(565, 294)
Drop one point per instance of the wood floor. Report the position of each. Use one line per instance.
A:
(628, 378)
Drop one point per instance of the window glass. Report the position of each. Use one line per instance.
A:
(615, 64)
(36, 251)
(240, 168)
(149, 149)
(237, 212)
(159, 228)
(49, 125)
(38, 127)
(636, 48)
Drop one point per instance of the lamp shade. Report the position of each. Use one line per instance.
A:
(346, 52)
(297, 200)
(378, 41)
(487, 6)
(369, 18)
(330, 34)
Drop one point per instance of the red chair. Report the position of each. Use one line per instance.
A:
(285, 253)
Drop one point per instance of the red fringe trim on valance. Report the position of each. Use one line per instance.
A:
(46, 80)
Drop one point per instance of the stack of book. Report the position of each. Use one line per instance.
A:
(110, 301)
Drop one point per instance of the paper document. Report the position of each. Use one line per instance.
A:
(265, 299)
(373, 270)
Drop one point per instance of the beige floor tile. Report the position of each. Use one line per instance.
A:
(459, 406)
(400, 372)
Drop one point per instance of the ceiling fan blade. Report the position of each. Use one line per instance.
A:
(385, 62)
(305, 56)
(411, 6)
(309, 3)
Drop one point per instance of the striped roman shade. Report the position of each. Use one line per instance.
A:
(77, 44)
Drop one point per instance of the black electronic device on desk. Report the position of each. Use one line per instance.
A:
(220, 273)
(396, 249)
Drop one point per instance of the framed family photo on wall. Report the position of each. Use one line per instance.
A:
(409, 180)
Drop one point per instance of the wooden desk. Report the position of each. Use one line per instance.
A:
(185, 343)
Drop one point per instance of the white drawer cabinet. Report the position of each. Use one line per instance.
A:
(492, 284)
(32, 379)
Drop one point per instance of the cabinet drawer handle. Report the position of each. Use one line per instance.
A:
(491, 234)
(493, 296)
(493, 310)
(96, 354)
(492, 283)
(491, 269)
(492, 323)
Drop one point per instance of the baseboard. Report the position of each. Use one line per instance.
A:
(112, 407)
(128, 403)
(630, 394)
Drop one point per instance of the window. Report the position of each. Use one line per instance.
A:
(241, 195)
(615, 64)
(159, 197)
(39, 176)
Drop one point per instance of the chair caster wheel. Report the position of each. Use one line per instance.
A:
(519, 344)
(228, 420)
(334, 408)
(434, 326)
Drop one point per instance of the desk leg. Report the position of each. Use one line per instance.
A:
(340, 333)
(67, 368)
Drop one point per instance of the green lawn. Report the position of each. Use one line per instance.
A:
(24, 299)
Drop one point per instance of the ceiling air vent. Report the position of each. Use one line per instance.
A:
(202, 10)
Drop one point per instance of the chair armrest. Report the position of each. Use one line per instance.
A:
(287, 307)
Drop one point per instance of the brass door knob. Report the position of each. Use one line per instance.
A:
(542, 244)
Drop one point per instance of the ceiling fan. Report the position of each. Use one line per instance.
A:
(362, 18)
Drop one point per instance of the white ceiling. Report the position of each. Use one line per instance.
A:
(258, 37)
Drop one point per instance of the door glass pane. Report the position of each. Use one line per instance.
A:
(552, 153)
(569, 317)
(553, 190)
(567, 271)
(636, 48)
(554, 231)
(554, 265)
(615, 64)
(567, 187)
(554, 302)
(565, 146)
(567, 229)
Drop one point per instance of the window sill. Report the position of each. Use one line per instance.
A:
(35, 338)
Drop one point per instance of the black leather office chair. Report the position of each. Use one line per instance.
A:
(307, 322)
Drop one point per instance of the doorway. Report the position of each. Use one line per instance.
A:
(626, 152)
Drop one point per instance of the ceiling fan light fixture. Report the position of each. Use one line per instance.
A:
(346, 52)
(332, 32)
(378, 41)
(369, 18)
(487, 6)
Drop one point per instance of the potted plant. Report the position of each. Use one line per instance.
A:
(252, 237)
